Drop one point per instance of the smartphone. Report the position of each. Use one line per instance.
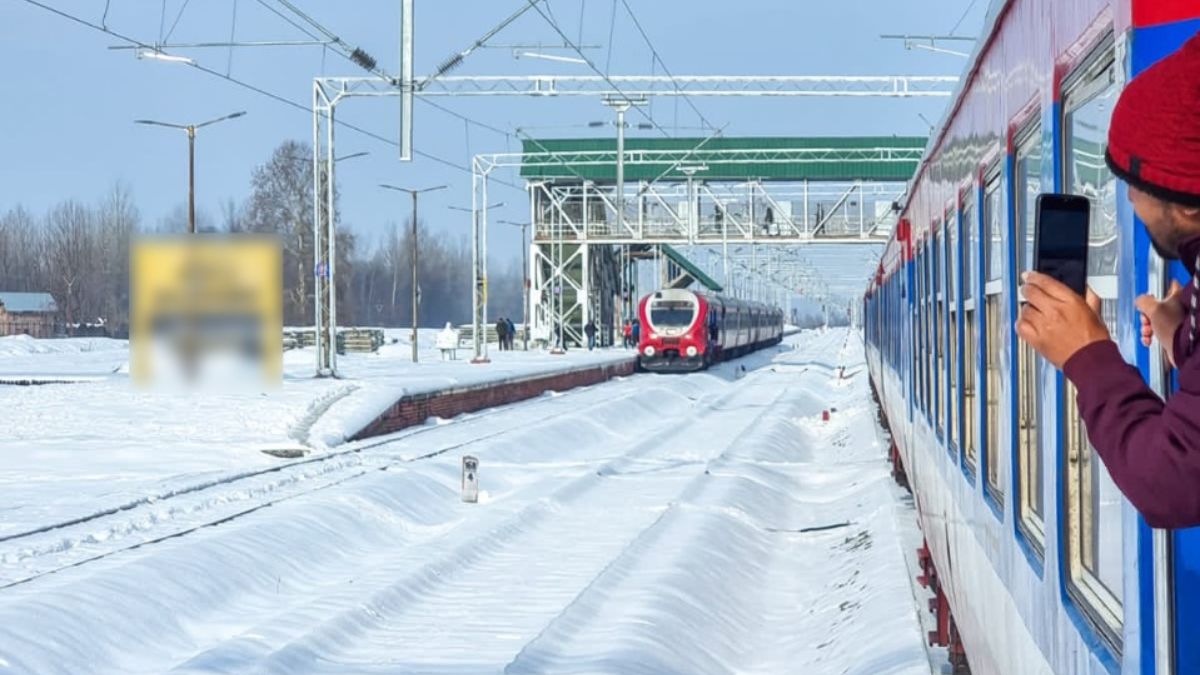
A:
(1061, 239)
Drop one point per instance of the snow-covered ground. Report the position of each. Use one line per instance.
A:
(68, 450)
(707, 523)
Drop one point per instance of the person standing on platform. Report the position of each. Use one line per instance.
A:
(627, 333)
(1150, 447)
(636, 334)
(502, 333)
(589, 329)
(512, 334)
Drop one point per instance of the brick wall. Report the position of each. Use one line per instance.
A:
(415, 409)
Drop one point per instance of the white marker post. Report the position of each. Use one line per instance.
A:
(470, 479)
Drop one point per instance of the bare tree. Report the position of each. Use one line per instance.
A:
(281, 202)
(71, 248)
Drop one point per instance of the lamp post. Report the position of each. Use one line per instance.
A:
(415, 259)
(191, 134)
(621, 105)
(478, 281)
(524, 279)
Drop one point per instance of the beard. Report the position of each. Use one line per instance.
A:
(1163, 251)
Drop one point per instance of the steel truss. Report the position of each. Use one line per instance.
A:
(635, 86)
(583, 262)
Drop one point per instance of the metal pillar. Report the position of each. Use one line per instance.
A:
(406, 80)
(479, 266)
(324, 238)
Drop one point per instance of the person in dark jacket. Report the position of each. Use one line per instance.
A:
(512, 334)
(1150, 447)
(589, 329)
(502, 333)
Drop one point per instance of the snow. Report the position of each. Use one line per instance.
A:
(98, 442)
(704, 523)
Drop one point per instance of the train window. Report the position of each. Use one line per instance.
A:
(918, 351)
(923, 272)
(929, 334)
(1093, 502)
(1031, 500)
(939, 334)
(993, 225)
(970, 346)
(953, 251)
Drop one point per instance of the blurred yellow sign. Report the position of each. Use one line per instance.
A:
(206, 310)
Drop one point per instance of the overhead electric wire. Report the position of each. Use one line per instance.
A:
(232, 33)
(964, 16)
(457, 59)
(259, 90)
(590, 64)
(162, 20)
(356, 54)
(288, 19)
(657, 57)
(566, 40)
(612, 26)
(468, 120)
(174, 24)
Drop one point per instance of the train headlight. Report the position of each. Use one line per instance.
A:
(692, 351)
(649, 350)
(654, 336)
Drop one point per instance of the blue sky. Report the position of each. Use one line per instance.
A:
(69, 114)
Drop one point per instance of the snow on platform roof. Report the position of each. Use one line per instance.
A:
(15, 302)
(831, 158)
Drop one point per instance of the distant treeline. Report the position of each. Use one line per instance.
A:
(80, 254)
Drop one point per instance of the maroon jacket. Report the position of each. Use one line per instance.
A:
(1151, 448)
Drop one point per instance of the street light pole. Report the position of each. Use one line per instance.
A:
(191, 134)
(621, 105)
(415, 253)
(478, 326)
(524, 278)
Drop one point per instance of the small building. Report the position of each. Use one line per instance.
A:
(30, 314)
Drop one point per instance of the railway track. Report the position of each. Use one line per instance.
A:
(35, 553)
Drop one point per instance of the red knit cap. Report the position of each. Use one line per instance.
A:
(1154, 138)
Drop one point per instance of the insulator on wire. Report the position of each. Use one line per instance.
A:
(363, 59)
(449, 64)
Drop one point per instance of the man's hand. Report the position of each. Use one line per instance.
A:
(1161, 318)
(1055, 321)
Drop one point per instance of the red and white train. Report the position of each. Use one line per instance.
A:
(685, 330)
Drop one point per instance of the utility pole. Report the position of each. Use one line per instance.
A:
(415, 258)
(478, 276)
(524, 278)
(190, 129)
(621, 105)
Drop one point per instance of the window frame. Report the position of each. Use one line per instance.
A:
(1027, 386)
(1079, 465)
(951, 267)
(939, 335)
(969, 303)
(992, 457)
(927, 332)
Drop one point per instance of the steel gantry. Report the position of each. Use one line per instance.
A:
(642, 86)
(750, 202)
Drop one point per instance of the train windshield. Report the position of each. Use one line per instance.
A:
(672, 314)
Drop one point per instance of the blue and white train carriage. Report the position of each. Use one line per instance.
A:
(1042, 563)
